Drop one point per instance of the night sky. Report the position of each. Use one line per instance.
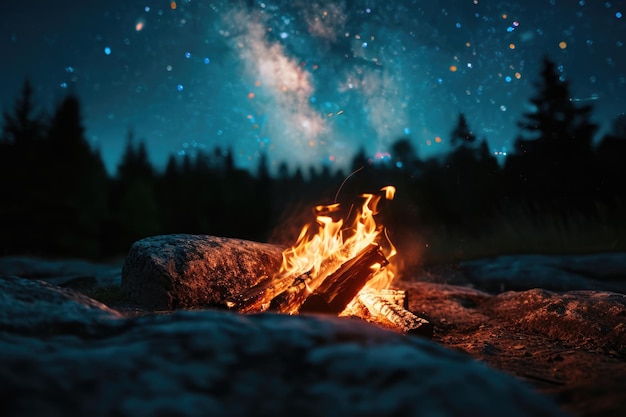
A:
(303, 81)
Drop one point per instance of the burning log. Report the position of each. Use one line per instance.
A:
(381, 307)
(259, 297)
(350, 277)
(397, 297)
(290, 300)
(340, 287)
(324, 271)
(286, 294)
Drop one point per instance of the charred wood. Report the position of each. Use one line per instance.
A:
(259, 297)
(290, 300)
(340, 287)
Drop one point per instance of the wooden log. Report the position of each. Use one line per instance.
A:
(258, 298)
(290, 300)
(397, 297)
(356, 307)
(405, 321)
(340, 287)
(286, 289)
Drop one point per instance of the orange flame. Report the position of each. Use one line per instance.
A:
(320, 252)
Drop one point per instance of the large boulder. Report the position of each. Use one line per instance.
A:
(70, 273)
(601, 272)
(221, 363)
(195, 271)
(38, 308)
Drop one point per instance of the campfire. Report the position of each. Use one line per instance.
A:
(340, 264)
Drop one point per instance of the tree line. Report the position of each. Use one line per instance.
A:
(58, 199)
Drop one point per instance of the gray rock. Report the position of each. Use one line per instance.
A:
(222, 363)
(71, 273)
(36, 307)
(191, 271)
(603, 272)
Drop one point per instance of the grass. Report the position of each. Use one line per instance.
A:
(517, 231)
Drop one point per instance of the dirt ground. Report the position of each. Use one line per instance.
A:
(570, 346)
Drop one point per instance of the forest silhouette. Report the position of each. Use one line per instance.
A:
(58, 199)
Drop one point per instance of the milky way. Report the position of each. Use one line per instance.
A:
(305, 82)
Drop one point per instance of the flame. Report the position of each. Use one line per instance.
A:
(337, 239)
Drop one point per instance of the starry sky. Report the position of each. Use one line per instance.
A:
(307, 82)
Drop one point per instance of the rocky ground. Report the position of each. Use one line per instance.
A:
(569, 345)
(548, 324)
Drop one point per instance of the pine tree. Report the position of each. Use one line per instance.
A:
(135, 160)
(553, 160)
(610, 155)
(462, 134)
(556, 123)
(404, 156)
(76, 183)
(133, 200)
(21, 187)
(471, 175)
(24, 126)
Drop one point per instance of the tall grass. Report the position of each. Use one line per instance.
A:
(523, 230)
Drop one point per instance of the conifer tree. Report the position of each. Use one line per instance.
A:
(76, 182)
(462, 134)
(610, 155)
(23, 130)
(133, 199)
(468, 175)
(556, 123)
(403, 155)
(24, 125)
(553, 160)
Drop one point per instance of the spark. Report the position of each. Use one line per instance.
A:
(590, 98)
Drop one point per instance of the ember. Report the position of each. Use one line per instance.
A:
(338, 265)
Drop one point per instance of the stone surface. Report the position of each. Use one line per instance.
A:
(193, 271)
(570, 345)
(39, 308)
(603, 272)
(222, 363)
(70, 273)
